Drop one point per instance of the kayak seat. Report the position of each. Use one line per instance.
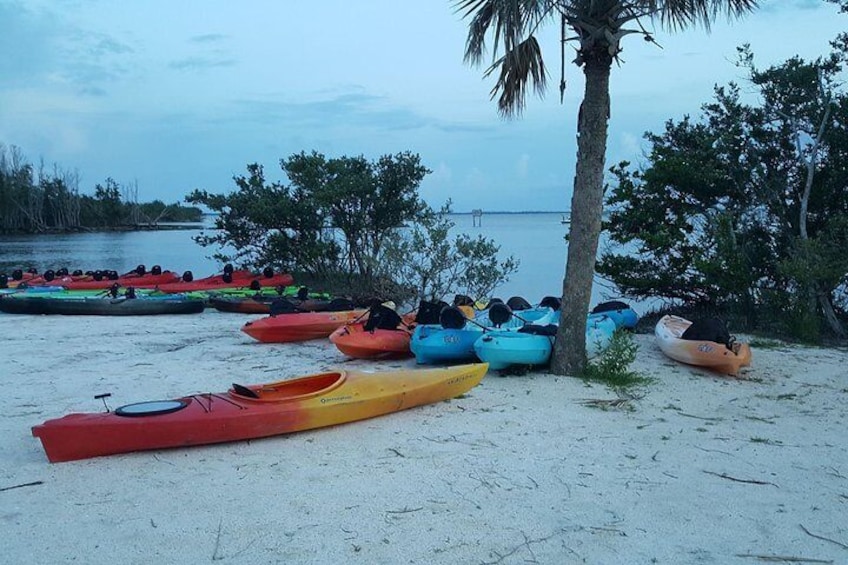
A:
(611, 306)
(429, 312)
(382, 317)
(549, 330)
(518, 303)
(283, 306)
(242, 390)
(452, 318)
(463, 300)
(709, 329)
(551, 302)
(499, 314)
(340, 305)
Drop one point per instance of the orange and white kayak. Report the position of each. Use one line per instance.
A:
(702, 353)
(255, 411)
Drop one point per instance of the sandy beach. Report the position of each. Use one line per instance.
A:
(522, 469)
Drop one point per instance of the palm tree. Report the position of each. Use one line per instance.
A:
(596, 27)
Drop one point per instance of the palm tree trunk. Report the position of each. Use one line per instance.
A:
(569, 356)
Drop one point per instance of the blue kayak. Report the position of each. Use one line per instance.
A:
(436, 343)
(621, 313)
(533, 344)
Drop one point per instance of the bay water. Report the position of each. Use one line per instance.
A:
(536, 240)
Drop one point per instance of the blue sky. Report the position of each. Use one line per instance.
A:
(178, 95)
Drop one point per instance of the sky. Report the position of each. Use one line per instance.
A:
(172, 96)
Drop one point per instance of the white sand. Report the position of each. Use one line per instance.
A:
(703, 470)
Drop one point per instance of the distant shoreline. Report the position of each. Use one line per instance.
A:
(504, 212)
(164, 226)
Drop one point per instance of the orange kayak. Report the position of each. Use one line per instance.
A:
(247, 412)
(703, 353)
(355, 341)
(299, 326)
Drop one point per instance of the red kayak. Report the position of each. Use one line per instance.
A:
(101, 280)
(88, 282)
(237, 279)
(299, 326)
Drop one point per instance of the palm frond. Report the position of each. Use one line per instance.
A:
(520, 67)
(508, 21)
(677, 15)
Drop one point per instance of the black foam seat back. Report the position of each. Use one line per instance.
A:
(610, 306)
(518, 303)
(551, 302)
(708, 329)
(493, 301)
(463, 300)
(383, 318)
(452, 318)
(340, 304)
(549, 329)
(429, 312)
(499, 314)
(282, 306)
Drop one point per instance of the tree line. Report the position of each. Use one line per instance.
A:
(37, 200)
(744, 209)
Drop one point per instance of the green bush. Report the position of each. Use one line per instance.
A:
(612, 368)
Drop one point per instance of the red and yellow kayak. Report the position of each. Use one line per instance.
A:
(246, 412)
(703, 353)
(355, 341)
(299, 326)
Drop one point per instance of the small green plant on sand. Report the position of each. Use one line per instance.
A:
(764, 343)
(613, 367)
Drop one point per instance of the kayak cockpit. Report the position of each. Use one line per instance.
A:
(296, 389)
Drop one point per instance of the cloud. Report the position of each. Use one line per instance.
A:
(41, 48)
(791, 5)
(522, 167)
(103, 45)
(200, 63)
(208, 38)
(93, 91)
(28, 41)
(353, 108)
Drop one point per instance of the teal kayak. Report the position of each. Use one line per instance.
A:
(453, 340)
(621, 313)
(533, 344)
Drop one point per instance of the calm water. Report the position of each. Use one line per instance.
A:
(537, 240)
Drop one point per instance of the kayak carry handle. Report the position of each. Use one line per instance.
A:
(103, 397)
